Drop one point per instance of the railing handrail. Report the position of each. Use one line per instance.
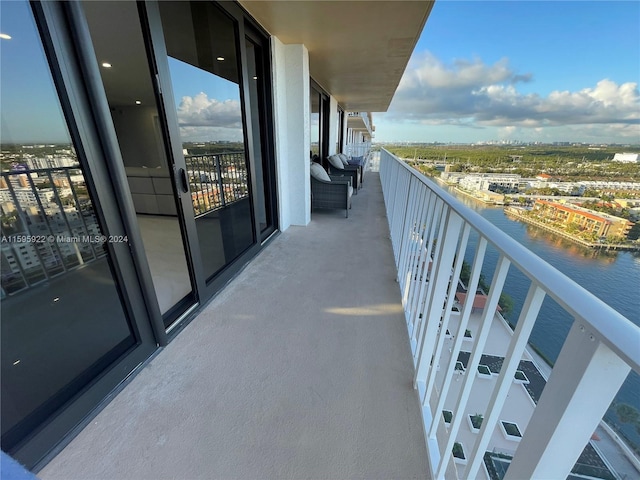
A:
(191, 155)
(38, 170)
(430, 228)
(620, 334)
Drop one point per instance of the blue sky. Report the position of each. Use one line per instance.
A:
(520, 70)
(30, 108)
(481, 71)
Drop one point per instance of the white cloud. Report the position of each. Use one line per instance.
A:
(205, 119)
(475, 94)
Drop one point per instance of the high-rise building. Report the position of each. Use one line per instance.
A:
(194, 125)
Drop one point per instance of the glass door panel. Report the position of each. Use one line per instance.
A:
(314, 123)
(261, 163)
(130, 92)
(203, 65)
(63, 319)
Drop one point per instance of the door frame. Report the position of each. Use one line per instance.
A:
(61, 28)
(265, 107)
(205, 289)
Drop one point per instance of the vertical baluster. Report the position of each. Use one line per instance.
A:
(517, 346)
(584, 381)
(410, 265)
(407, 228)
(422, 267)
(449, 372)
(491, 305)
(429, 264)
(439, 281)
(462, 247)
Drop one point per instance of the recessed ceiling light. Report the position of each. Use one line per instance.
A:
(220, 59)
(255, 78)
(138, 102)
(5, 36)
(106, 65)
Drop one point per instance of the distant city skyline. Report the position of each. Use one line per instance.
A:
(521, 70)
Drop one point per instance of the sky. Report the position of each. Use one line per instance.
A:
(481, 71)
(522, 71)
(30, 110)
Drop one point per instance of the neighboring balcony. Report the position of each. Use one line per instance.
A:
(334, 353)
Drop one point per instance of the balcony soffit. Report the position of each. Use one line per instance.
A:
(358, 50)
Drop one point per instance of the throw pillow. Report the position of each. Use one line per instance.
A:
(318, 172)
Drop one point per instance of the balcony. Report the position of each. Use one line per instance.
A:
(316, 361)
(549, 419)
(300, 368)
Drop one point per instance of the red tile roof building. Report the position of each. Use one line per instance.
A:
(601, 224)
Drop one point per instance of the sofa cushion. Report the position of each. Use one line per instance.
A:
(336, 162)
(344, 158)
(318, 172)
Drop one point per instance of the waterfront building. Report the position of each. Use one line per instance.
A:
(626, 157)
(504, 182)
(601, 224)
(609, 186)
(226, 334)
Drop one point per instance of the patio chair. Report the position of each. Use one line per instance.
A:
(330, 191)
(359, 162)
(337, 167)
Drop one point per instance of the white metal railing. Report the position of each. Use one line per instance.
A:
(430, 232)
(358, 149)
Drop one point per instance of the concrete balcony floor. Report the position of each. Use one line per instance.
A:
(300, 368)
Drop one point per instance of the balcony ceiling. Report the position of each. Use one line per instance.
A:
(358, 50)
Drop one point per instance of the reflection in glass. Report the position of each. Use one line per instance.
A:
(130, 93)
(260, 162)
(203, 63)
(62, 319)
(314, 122)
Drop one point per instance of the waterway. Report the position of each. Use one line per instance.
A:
(614, 277)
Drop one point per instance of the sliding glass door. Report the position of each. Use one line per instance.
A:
(138, 124)
(203, 62)
(137, 177)
(73, 323)
(214, 96)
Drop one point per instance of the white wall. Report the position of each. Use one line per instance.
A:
(292, 141)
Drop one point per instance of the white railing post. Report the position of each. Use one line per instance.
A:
(440, 277)
(583, 383)
(478, 261)
(408, 229)
(419, 277)
(416, 221)
(517, 346)
(426, 264)
(499, 277)
(453, 286)
(602, 346)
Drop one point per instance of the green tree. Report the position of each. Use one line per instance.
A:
(506, 303)
(627, 413)
(465, 272)
(634, 233)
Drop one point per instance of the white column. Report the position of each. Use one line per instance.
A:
(333, 125)
(584, 381)
(292, 141)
